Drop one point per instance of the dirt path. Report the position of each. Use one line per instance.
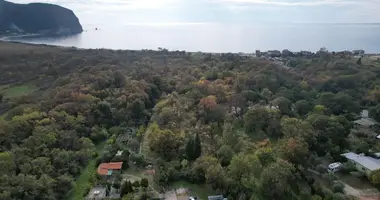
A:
(367, 194)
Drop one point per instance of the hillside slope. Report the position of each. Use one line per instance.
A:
(37, 18)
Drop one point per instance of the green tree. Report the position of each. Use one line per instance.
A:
(284, 105)
(375, 177)
(197, 146)
(277, 179)
(256, 119)
(266, 94)
(359, 61)
(302, 107)
(164, 142)
(250, 95)
(294, 150)
(144, 183)
(7, 164)
(126, 188)
(136, 184)
(190, 149)
(225, 154)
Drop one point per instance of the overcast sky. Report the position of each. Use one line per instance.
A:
(225, 11)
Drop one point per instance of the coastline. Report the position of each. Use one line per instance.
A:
(6, 37)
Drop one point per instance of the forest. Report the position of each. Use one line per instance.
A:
(244, 126)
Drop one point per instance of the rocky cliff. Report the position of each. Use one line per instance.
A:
(37, 18)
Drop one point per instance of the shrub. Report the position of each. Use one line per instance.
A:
(338, 187)
(321, 169)
(348, 167)
(358, 174)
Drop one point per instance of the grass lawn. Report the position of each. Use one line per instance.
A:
(18, 90)
(83, 182)
(138, 172)
(202, 191)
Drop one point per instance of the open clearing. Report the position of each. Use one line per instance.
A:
(18, 90)
(200, 190)
(83, 182)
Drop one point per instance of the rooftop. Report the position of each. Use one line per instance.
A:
(97, 193)
(366, 161)
(365, 122)
(217, 197)
(106, 168)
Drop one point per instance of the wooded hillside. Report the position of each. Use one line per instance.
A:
(247, 127)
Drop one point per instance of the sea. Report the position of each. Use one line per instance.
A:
(117, 32)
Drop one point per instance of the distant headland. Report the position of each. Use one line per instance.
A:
(37, 18)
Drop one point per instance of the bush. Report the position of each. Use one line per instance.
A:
(339, 196)
(348, 167)
(321, 169)
(330, 178)
(338, 187)
(358, 174)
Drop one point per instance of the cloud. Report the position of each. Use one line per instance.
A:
(289, 2)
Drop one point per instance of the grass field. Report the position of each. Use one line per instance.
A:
(83, 182)
(200, 190)
(18, 90)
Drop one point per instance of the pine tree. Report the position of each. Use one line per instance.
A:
(130, 187)
(197, 147)
(359, 62)
(144, 183)
(190, 149)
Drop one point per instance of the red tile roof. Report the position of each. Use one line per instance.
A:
(105, 167)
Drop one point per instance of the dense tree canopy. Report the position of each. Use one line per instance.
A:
(245, 126)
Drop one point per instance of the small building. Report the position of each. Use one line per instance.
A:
(358, 52)
(216, 197)
(363, 163)
(274, 53)
(97, 193)
(107, 169)
(334, 167)
(114, 193)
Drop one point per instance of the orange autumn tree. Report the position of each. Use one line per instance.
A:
(208, 102)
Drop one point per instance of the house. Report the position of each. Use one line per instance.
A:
(334, 167)
(217, 197)
(358, 52)
(97, 193)
(365, 120)
(274, 53)
(306, 53)
(363, 163)
(107, 169)
(287, 53)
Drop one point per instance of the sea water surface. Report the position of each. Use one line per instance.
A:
(114, 27)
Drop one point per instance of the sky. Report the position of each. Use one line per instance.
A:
(223, 11)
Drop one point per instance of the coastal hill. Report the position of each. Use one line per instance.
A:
(38, 18)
